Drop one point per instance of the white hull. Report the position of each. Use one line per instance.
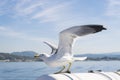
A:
(82, 76)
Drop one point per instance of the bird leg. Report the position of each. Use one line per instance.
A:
(68, 70)
(60, 70)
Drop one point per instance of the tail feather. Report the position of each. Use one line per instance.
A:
(80, 58)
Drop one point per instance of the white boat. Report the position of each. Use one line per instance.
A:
(93, 75)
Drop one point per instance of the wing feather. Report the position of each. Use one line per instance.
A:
(52, 46)
(66, 37)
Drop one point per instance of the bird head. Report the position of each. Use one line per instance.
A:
(41, 56)
(36, 55)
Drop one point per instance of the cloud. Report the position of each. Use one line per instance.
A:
(50, 13)
(4, 31)
(40, 10)
(8, 32)
(4, 7)
(113, 8)
(2, 28)
(26, 7)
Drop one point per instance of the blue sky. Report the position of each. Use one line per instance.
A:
(25, 24)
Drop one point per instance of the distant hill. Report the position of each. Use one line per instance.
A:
(29, 56)
(16, 58)
(25, 53)
(103, 56)
(11, 57)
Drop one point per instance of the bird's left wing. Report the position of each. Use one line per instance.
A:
(52, 46)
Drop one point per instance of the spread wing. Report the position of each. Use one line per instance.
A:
(66, 37)
(52, 46)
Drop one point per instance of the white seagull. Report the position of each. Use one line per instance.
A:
(62, 55)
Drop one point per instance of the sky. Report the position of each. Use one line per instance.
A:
(25, 24)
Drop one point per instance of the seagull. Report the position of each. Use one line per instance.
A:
(62, 56)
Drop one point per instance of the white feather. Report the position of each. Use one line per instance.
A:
(63, 55)
(79, 58)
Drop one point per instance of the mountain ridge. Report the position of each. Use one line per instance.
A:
(102, 56)
(29, 56)
(25, 53)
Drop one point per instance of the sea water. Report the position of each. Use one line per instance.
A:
(33, 70)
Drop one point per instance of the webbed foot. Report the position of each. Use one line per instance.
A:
(67, 72)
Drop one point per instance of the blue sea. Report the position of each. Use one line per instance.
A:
(33, 70)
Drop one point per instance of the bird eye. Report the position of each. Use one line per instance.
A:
(42, 54)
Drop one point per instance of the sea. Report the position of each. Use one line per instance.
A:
(33, 70)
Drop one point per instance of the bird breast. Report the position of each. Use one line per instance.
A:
(58, 62)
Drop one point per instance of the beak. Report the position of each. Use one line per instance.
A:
(104, 28)
(36, 56)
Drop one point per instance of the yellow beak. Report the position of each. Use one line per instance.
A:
(36, 56)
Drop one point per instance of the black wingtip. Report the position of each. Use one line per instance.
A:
(104, 28)
(97, 28)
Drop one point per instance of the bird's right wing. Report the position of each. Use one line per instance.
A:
(67, 36)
